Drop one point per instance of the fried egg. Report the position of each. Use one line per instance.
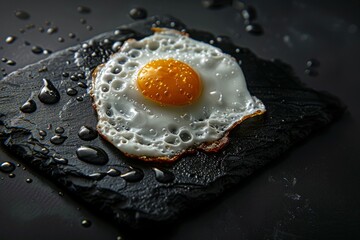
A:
(168, 94)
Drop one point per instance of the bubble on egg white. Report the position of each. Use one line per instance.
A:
(140, 127)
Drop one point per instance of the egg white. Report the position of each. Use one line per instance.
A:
(142, 128)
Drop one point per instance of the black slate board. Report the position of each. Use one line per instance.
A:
(293, 113)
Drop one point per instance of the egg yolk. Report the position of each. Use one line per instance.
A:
(169, 82)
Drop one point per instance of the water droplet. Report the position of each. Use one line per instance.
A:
(86, 223)
(97, 176)
(44, 150)
(134, 175)
(249, 13)
(12, 175)
(163, 176)
(29, 180)
(29, 106)
(254, 29)
(7, 167)
(59, 130)
(48, 93)
(10, 62)
(37, 50)
(22, 15)
(311, 72)
(216, 4)
(82, 85)
(65, 74)
(92, 155)
(10, 39)
(80, 99)
(312, 62)
(87, 133)
(83, 9)
(30, 26)
(60, 160)
(52, 30)
(71, 35)
(138, 13)
(113, 172)
(42, 133)
(47, 51)
(58, 139)
(82, 21)
(71, 91)
(61, 39)
(81, 75)
(61, 194)
(74, 78)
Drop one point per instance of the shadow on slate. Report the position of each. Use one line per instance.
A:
(146, 192)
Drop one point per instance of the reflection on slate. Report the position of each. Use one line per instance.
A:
(125, 189)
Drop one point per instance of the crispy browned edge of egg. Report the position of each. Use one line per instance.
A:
(214, 146)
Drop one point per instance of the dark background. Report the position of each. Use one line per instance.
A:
(311, 193)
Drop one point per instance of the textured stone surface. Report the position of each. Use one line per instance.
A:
(293, 113)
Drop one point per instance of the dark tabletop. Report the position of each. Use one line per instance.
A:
(310, 193)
